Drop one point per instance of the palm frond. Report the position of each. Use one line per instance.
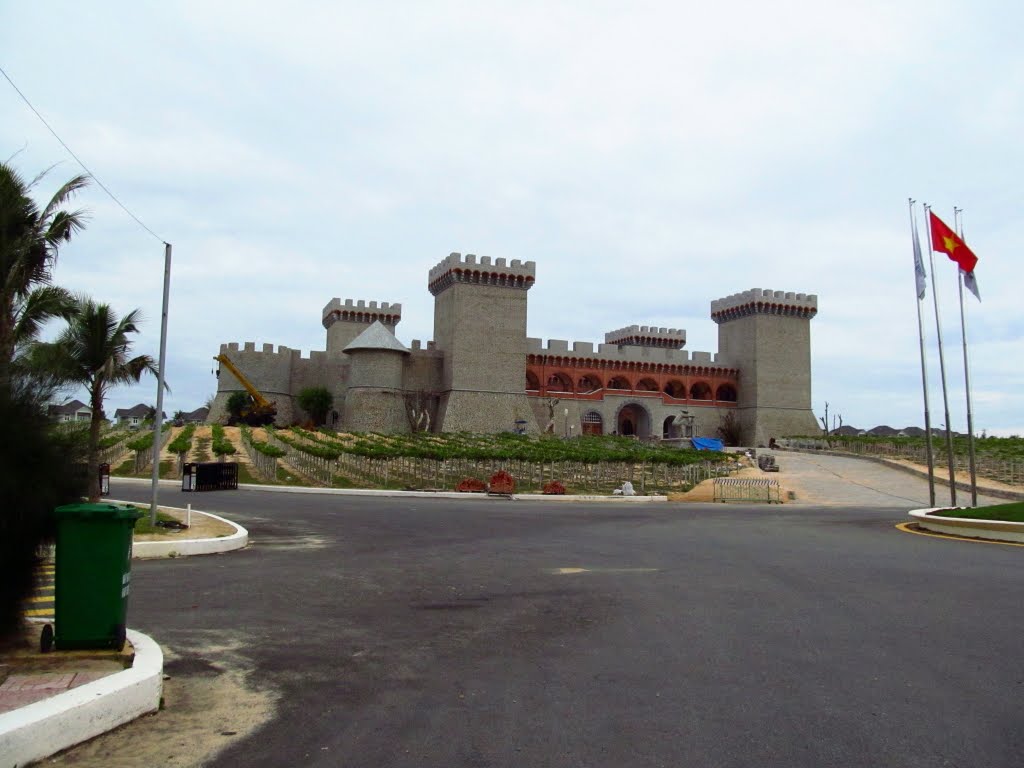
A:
(40, 305)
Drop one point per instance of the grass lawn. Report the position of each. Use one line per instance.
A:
(1013, 512)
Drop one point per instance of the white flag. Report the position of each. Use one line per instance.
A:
(919, 274)
(971, 283)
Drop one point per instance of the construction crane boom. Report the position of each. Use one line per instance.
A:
(261, 407)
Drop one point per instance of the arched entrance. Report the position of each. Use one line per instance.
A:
(633, 419)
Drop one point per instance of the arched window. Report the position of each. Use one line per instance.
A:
(676, 389)
(619, 382)
(700, 391)
(647, 385)
(668, 427)
(726, 393)
(532, 383)
(559, 382)
(588, 384)
(593, 424)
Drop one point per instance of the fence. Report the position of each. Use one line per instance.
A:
(746, 489)
(263, 465)
(431, 474)
(1004, 470)
(143, 458)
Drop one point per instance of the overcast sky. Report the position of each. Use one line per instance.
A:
(649, 156)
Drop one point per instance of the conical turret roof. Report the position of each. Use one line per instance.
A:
(376, 337)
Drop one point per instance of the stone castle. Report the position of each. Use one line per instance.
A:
(481, 373)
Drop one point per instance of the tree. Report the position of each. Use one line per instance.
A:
(729, 429)
(317, 402)
(237, 402)
(93, 351)
(37, 474)
(30, 239)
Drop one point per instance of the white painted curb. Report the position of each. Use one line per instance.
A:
(568, 497)
(994, 530)
(417, 494)
(48, 726)
(146, 550)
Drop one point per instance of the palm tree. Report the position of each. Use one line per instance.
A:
(29, 243)
(93, 351)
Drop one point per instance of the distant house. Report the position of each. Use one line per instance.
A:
(133, 416)
(76, 410)
(883, 431)
(198, 416)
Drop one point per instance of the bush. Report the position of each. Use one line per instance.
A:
(37, 474)
(221, 445)
(317, 402)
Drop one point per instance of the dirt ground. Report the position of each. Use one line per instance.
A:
(209, 702)
(705, 491)
(201, 527)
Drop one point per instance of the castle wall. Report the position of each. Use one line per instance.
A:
(279, 375)
(706, 418)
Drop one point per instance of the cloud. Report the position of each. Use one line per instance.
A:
(649, 159)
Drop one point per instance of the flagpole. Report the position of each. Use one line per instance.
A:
(942, 366)
(920, 337)
(958, 224)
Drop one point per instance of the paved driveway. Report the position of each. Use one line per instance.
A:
(820, 480)
(377, 632)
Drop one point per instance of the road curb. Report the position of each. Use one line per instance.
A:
(45, 727)
(419, 494)
(993, 530)
(148, 550)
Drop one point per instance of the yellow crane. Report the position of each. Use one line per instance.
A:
(260, 410)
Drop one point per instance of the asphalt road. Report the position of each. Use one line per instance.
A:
(463, 633)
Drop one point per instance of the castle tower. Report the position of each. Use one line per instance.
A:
(767, 335)
(345, 321)
(647, 336)
(480, 326)
(374, 399)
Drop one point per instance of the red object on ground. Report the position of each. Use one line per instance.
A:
(502, 482)
(471, 485)
(554, 488)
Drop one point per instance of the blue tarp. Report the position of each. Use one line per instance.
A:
(706, 443)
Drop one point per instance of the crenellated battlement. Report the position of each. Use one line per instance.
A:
(647, 336)
(457, 268)
(361, 312)
(758, 301)
(248, 350)
(584, 352)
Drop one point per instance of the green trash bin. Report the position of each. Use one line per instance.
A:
(93, 574)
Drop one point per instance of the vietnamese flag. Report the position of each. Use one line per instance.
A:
(945, 240)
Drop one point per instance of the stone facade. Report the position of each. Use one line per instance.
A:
(482, 373)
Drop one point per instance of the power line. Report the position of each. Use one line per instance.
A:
(92, 175)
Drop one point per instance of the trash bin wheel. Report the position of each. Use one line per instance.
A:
(120, 636)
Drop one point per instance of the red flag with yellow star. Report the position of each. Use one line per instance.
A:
(945, 240)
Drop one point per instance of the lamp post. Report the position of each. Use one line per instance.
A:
(566, 413)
